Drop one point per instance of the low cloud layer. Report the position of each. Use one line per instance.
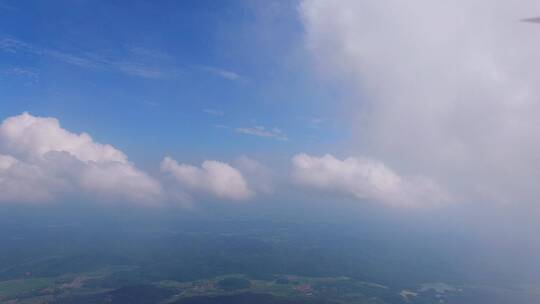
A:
(443, 89)
(40, 162)
(212, 178)
(364, 179)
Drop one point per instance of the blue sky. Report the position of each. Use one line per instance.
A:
(178, 77)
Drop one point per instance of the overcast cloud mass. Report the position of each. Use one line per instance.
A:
(447, 90)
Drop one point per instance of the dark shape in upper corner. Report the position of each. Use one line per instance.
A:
(533, 20)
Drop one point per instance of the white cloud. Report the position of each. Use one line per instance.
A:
(364, 179)
(29, 136)
(40, 162)
(212, 178)
(445, 89)
(260, 131)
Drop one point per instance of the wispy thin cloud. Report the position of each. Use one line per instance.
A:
(142, 52)
(29, 74)
(91, 60)
(260, 131)
(141, 70)
(71, 59)
(214, 112)
(226, 74)
(12, 46)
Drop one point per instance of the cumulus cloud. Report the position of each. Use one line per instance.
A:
(40, 162)
(364, 179)
(445, 89)
(28, 136)
(212, 178)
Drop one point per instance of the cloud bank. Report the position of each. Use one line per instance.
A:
(443, 89)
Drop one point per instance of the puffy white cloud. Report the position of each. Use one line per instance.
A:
(212, 178)
(365, 179)
(445, 89)
(40, 161)
(29, 136)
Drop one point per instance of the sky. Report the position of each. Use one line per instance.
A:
(415, 119)
(410, 106)
(198, 83)
(202, 71)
